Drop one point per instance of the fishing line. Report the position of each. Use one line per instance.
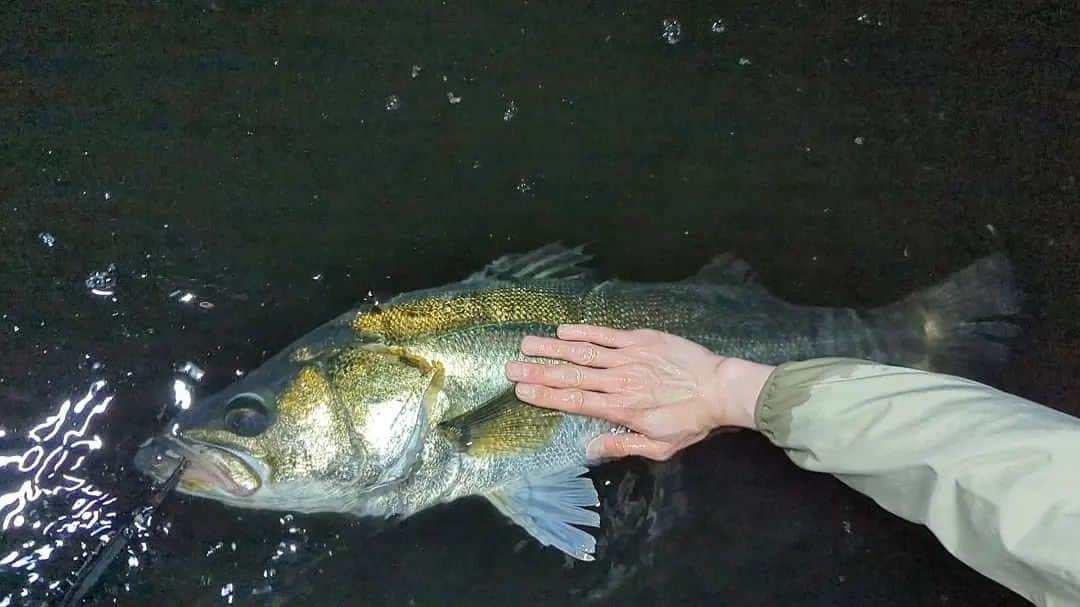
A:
(98, 562)
(88, 575)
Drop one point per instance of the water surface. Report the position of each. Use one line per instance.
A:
(207, 182)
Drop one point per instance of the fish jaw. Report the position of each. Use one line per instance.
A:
(213, 471)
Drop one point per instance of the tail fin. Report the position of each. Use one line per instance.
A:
(967, 320)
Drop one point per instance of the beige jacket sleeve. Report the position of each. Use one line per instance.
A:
(995, 477)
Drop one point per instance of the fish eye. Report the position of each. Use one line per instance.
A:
(246, 415)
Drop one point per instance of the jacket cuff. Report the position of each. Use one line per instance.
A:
(790, 385)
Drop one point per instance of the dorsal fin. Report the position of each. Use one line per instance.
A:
(725, 269)
(549, 261)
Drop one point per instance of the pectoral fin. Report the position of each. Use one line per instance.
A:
(502, 426)
(548, 506)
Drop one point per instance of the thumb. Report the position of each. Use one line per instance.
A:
(628, 445)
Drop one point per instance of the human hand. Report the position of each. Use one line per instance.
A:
(669, 391)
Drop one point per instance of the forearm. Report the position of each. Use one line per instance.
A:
(738, 385)
(992, 475)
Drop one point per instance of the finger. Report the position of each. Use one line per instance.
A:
(604, 336)
(576, 402)
(627, 445)
(567, 376)
(581, 353)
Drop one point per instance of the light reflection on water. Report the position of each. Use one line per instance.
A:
(45, 497)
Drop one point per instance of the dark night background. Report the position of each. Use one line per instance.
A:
(244, 151)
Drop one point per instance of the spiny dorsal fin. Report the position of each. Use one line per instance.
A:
(725, 269)
(502, 426)
(549, 261)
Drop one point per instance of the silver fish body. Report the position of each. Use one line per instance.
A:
(390, 409)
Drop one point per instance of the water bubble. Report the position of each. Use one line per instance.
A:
(523, 186)
(744, 61)
(718, 26)
(671, 30)
(393, 103)
(859, 141)
(416, 69)
(184, 297)
(47, 239)
(452, 98)
(511, 111)
(102, 283)
(182, 396)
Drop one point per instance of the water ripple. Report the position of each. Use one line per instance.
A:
(44, 491)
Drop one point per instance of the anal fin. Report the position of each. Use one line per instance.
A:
(548, 506)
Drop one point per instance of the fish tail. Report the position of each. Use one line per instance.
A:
(961, 326)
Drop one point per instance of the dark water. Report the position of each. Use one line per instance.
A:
(249, 170)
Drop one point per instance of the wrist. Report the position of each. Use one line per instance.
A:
(737, 384)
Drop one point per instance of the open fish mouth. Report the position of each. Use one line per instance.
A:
(211, 469)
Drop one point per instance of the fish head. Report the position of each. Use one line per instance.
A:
(312, 430)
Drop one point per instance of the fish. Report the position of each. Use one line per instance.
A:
(394, 407)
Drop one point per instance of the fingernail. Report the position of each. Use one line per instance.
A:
(515, 371)
(565, 331)
(595, 449)
(525, 390)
